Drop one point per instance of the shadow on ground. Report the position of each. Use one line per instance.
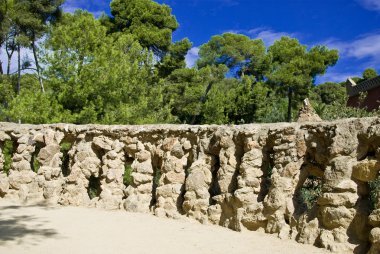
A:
(18, 224)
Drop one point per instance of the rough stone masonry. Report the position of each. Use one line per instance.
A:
(247, 177)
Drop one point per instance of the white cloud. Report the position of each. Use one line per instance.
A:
(191, 57)
(364, 47)
(268, 35)
(372, 5)
(336, 77)
(232, 31)
(97, 14)
(72, 5)
(69, 9)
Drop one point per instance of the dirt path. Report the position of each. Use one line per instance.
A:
(71, 230)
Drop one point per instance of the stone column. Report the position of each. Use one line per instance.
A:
(50, 176)
(84, 164)
(288, 159)
(21, 177)
(112, 186)
(250, 182)
(4, 182)
(171, 184)
(139, 193)
(337, 206)
(365, 171)
(224, 211)
(197, 196)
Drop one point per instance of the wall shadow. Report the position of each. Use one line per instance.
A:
(22, 227)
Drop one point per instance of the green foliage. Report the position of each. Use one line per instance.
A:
(269, 172)
(374, 189)
(36, 108)
(338, 109)
(369, 73)
(187, 91)
(65, 148)
(6, 95)
(156, 177)
(127, 177)
(328, 93)
(125, 69)
(123, 91)
(174, 58)
(8, 149)
(93, 189)
(310, 191)
(273, 111)
(35, 163)
(294, 68)
(239, 53)
(23, 24)
(150, 23)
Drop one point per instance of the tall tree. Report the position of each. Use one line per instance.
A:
(369, 73)
(294, 68)
(33, 23)
(152, 24)
(4, 25)
(174, 58)
(187, 91)
(10, 46)
(329, 92)
(242, 55)
(69, 51)
(100, 78)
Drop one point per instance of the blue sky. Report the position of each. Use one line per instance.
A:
(352, 26)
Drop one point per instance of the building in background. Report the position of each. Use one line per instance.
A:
(369, 90)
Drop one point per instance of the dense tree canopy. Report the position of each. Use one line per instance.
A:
(369, 73)
(150, 23)
(125, 69)
(294, 68)
(238, 52)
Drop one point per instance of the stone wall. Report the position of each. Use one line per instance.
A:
(247, 177)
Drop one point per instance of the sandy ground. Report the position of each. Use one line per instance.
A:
(37, 229)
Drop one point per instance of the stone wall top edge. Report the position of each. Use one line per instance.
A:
(7, 127)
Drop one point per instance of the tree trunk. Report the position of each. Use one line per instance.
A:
(290, 95)
(18, 69)
(9, 55)
(10, 47)
(1, 62)
(38, 67)
(9, 62)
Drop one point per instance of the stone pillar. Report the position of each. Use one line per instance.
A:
(139, 193)
(4, 182)
(374, 221)
(50, 176)
(250, 182)
(172, 181)
(278, 204)
(84, 164)
(112, 186)
(224, 211)
(365, 171)
(197, 196)
(337, 205)
(21, 177)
